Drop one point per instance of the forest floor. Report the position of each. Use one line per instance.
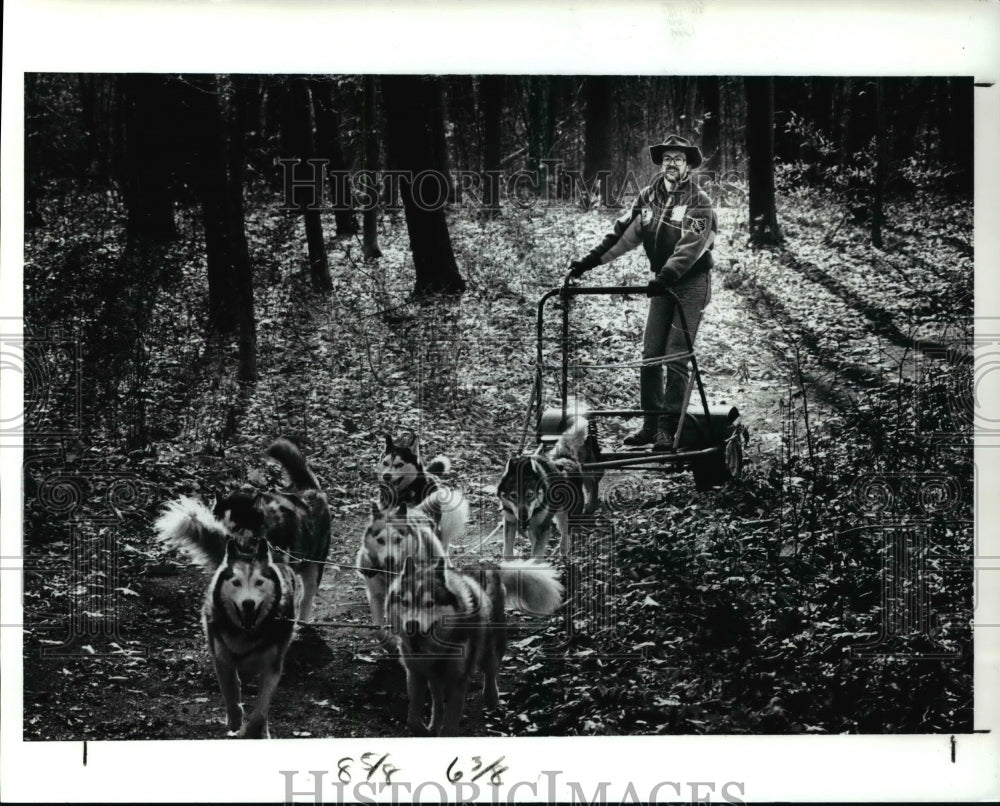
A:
(765, 606)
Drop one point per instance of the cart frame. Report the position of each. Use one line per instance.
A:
(708, 438)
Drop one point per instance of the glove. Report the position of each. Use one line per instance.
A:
(579, 267)
(656, 288)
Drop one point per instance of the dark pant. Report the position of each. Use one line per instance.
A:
(664, 336)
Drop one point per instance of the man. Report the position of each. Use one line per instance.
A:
(674, 221)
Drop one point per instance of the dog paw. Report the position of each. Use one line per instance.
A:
(254, 730)
(234, 721)
(418, 728)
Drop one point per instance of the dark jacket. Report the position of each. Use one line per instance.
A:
(676, 227)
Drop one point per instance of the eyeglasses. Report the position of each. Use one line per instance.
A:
(680, 159)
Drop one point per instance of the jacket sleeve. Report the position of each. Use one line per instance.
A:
(624, 235)
(629, 239)
(698, 230)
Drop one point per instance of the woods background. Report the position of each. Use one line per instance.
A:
(178, 315)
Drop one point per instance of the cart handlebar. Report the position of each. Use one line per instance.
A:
(582, 290)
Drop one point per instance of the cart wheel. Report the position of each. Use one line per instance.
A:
(724, 466)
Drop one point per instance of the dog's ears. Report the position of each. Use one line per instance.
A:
(388, 443)
(408, 441)
(512, 462)
(263, 551)
(440, 566)
(401, 510)
(376, 510)
(409, 565)
(232, 548)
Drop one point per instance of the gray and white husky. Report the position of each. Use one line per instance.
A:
(448, 624)
(543, 488)
(250, 611)
(404, 479)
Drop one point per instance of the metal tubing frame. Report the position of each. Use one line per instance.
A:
(567, 291)
(652, 458)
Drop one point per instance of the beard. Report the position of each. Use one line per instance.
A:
(672, 176)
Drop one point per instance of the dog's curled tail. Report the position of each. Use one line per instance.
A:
(439, 465)
(288, 454)
(454, 513)
(532, 586)
(571, 440)
(187, 524)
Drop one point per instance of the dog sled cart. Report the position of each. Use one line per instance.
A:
(708, 441)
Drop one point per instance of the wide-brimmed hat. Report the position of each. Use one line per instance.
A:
(675, 143)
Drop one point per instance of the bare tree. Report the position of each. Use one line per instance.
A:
(246, 93)
(217, 130)
(328, 147)
(708, 88)
(149, 125)
(409, 108)
(760, 157)
(879, 174)
(369, 169)
(491, 91)
(597, 134)
(297, 128)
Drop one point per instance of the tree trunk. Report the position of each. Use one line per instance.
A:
(328, 147)
(708, 88)
(879, 173)
(408, 103)
(735, 125)
(219, 152)
(300, 142)
(597, 136)
(491, 90)
(369, 169)
(560, 102)
(149, 118)
(439, 140)
(32, 162)
(89, 103)
(539, 124)
(958, 136)
(680, 92)
(843, 107)
(203, 120)
(821, 105)
(245, 106)
(860, 133)
(462, 106)
(760, 158)
(251, 88)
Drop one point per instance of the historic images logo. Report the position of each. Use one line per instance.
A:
(311, 184)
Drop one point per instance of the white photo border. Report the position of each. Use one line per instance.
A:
(693, 37)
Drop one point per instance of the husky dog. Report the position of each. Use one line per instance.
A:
(449, 624)
(295, 522)
(391, 537)
(403, 479)
(250, 612)
(536, 490)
